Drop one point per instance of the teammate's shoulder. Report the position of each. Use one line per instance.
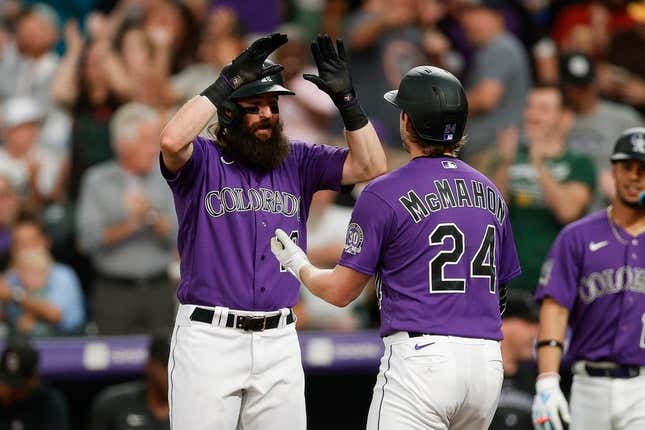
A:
(586, 223)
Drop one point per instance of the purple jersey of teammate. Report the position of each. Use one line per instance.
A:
(227, 215)
(597, 271)
(437, 235)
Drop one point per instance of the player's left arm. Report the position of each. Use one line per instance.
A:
(366, 158)
(338, 286)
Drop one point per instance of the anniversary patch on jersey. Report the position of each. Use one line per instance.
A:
(354, 239)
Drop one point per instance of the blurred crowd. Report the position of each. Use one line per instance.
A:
(87, 224)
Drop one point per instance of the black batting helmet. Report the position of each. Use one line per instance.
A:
(630, 145)
(230, 114)
(435, 101)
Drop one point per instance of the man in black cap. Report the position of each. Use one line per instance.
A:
(24, 402)
(139, 404)
(596, 122)
(593, 281)
(519, 326)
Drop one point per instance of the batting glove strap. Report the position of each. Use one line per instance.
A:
(353, 116)
(550, 407)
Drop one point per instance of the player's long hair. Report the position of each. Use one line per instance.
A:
(432, 148)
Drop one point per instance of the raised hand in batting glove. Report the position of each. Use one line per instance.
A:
(246, 67)
(335, 79)
(288, 253)
(549, 404)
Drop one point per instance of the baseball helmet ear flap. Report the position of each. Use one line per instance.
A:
(229, 114)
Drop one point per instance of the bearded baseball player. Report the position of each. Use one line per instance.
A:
(594, 281)
(437, 236)
(235, 359)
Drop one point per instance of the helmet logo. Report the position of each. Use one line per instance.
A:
(638, 143)
(449, 131)
(267, 79)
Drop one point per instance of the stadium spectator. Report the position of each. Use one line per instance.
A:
(624, 78)
(25, 403)
(37, 173)
(588, 26)
(519, 326)
(384, 42)
(596, 122)
(127, 225)
(546, 184)
(28, 63)
(139, 404)
(90, 84)
(44, 297)
(496, 89)
(9, 209)
(307, 116)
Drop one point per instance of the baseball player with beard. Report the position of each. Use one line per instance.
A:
(235, 359)
(594, 281)
(437, 236)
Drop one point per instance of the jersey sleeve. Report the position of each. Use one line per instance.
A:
(367, 233)
(509, 266)
(322, 166)
(182, 181)
(561, 271)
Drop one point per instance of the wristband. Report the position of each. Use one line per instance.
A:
(353, 116)
(218, 91)
(549, 342)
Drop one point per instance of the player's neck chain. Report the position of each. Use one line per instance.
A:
(619, 237)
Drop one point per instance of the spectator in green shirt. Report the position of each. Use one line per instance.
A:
(546, 184)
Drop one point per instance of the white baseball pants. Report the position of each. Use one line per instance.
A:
(607, 403)
(436, 382)
(223, 378)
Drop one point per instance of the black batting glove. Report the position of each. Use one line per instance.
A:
(503, 292)
(335, 79)
(246, 67)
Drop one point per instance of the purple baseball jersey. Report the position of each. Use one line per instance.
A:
(437, 235)
(227, 215)
(597, 271)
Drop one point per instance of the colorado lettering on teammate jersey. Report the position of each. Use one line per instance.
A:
(219, 202)
(452, 193)
(611, 281)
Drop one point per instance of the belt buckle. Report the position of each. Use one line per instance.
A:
(252, 323)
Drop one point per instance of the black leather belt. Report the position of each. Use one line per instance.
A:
(614, 372)
(417, 334)
(243, 322)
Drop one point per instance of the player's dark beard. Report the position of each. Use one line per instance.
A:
(260, 155)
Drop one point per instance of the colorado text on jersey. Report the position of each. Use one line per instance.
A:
(219, 202)
(458, 194)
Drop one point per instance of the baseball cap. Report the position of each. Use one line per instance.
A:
(577, 68)
(21, 110)
(630, 145)
(522, 305)
(19, 363)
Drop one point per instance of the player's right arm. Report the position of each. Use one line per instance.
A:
(178, 134)
(553, 325)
